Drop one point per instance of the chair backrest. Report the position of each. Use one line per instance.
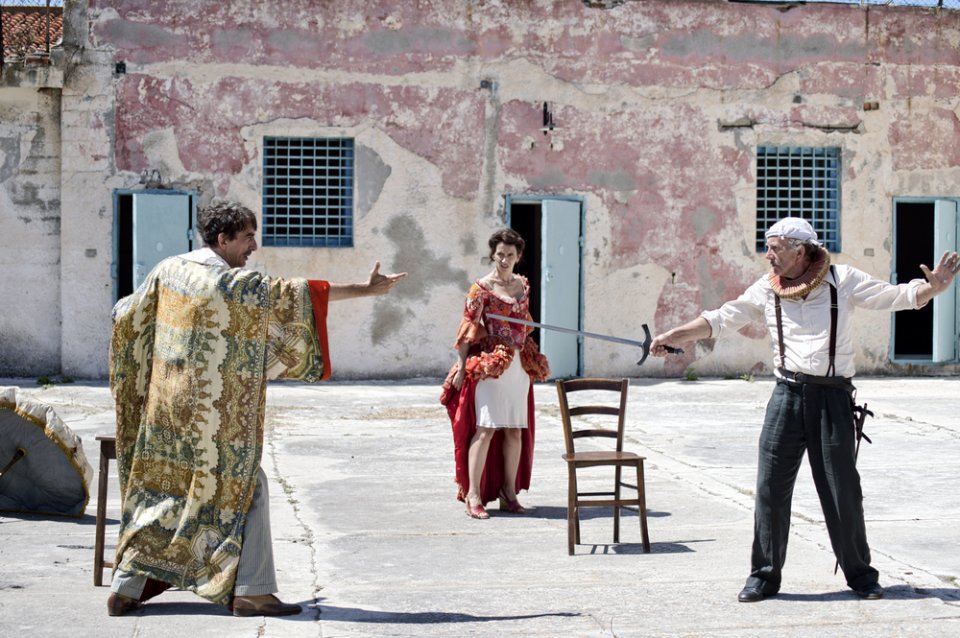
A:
(615, 406)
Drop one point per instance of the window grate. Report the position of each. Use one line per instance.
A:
(799, 182)
(308, 191)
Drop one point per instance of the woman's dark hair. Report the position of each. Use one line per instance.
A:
(229, 218)
(507, 236)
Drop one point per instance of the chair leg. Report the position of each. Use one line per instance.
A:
(642, 497)
(573, 514)
(101, 521)
(576, 521)
(616, 508)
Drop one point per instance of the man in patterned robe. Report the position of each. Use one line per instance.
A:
(191, 353)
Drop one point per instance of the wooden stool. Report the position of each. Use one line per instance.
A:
(108, 450)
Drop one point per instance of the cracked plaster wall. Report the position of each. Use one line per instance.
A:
(659, 106)
(29, 231)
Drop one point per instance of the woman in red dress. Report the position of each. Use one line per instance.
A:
(489, 391)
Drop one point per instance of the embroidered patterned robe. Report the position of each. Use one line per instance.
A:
(191, 352)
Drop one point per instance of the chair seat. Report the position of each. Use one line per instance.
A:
(603, 457)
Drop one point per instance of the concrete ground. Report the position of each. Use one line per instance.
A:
(370, 538)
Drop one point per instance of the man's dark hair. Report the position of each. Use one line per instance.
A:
(229, 218)
(507, 236)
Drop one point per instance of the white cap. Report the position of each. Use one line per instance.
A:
(793, 228)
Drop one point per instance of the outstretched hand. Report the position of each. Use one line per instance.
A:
(381, 284)
(942, 276)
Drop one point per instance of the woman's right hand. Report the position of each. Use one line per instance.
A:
(458, 378)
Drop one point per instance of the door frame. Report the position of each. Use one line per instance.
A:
(932, 200)
(509, 200)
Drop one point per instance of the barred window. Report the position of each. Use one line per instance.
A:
(307, 191)
(799, 182)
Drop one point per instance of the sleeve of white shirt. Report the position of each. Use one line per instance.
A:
(735, 314)
(867, 291)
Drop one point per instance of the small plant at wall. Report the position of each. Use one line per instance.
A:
(691, 375)
(747, 376)
(48, 382)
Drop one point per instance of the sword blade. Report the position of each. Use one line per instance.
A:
(581, 333)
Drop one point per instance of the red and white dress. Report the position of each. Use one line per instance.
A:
(497, 391)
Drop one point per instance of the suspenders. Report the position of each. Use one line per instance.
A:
(834, 311)
(860, 412)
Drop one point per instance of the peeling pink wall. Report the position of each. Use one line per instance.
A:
(926, 140)
(207, 120)
(664, 176)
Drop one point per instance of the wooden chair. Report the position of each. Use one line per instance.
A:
(616, 458)
(108, 451)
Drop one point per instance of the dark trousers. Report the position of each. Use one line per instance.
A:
(818, 419)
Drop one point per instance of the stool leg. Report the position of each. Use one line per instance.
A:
(101, 519)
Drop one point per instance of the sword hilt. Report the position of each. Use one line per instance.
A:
(647, 340)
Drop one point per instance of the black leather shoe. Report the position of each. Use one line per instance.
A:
(750, 595)
(753, 594)
(870, 592)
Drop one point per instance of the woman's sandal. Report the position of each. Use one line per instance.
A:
(514, 506)
(476, 511)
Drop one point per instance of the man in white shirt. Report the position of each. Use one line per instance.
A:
(811, 407)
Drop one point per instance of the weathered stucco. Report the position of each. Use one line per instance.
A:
(659, 106)
(30, 237)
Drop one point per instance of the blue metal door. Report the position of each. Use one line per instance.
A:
(161, 228)
(944, 304)
(560, 284)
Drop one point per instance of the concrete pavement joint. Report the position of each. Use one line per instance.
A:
(659, 460)
(307, 535)
(951, 432)
(603, 626)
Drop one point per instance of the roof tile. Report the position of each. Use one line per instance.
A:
(25, 28)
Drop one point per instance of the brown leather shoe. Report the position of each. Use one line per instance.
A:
(120, 605)
(266, 605)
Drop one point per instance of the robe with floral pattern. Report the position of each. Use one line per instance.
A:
(190, 355)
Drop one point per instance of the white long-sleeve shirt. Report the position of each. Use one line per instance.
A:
(806, 322)
(206, 256)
